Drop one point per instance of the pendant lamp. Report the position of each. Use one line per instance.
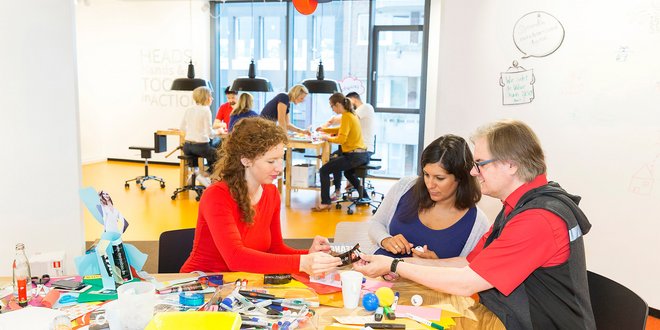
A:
(190, 82)
(251, 83)
(320, 85)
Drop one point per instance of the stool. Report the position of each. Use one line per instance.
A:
(145, 152)
(191, 163)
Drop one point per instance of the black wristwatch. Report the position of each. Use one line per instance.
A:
(395, 261)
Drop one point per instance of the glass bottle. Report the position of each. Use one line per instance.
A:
(21, 276)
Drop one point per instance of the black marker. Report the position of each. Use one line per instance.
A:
(385, 325)
(379, 314)
(254, 294)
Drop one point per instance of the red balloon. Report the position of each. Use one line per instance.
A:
(305, 7)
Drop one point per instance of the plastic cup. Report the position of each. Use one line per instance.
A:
(136, 304)
(351, 283)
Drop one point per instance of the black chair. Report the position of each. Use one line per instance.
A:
(191, 163)
(174, 248)
(614, 305)
(160, 145)
(362, 172)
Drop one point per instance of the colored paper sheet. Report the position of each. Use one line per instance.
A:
(373, 285)
(335, 299)
(91, 200)
(429, 313)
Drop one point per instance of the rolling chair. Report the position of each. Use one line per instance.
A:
(614, 305)
(192, 163)
(160, 145)
(362, 172)
(174, 248)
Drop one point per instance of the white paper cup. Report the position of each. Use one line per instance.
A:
(136, 304)
(351, 283)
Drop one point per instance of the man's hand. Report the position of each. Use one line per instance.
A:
(373, 265)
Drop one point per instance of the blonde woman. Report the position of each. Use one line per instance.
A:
(278, 108)
(242, 109)
(196, 124)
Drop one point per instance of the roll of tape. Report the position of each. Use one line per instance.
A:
(191, 299)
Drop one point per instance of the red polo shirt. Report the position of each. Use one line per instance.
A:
(532, 239)
(223, 113)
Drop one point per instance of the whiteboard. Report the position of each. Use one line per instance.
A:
(596, 110)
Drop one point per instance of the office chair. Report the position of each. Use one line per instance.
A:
(174, 248)
(352, 233)
(362, 172)
(614, 305)
(160, 145)
(191, 163)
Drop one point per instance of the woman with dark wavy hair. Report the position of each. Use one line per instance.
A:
(238, 225)
(436, 210)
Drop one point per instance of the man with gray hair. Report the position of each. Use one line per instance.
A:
(529, 268)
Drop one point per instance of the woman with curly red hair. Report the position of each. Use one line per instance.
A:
(238, 226)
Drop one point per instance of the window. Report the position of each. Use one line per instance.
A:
(338, 33)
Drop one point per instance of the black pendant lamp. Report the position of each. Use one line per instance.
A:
(320, 85)
(251, 83)
(189, 83)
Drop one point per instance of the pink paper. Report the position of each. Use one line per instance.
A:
(373, 285)
(429, 313)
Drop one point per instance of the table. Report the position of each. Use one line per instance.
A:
(183, 169)
(465, 305)
(322, 149)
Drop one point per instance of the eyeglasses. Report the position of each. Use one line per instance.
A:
(43, 280)
(482, 163)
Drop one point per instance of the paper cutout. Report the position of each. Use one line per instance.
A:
(373, 285)
(91, 200)
(429, 313)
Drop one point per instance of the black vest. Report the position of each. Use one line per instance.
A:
(554, 297)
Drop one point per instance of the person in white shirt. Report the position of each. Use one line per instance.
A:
(367, 116)
(196, 124)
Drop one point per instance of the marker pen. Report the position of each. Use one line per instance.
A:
(253, 294)
(389, 313)
(385, 325)
(424, 321)
(378, 316)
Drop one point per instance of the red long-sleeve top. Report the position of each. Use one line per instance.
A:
(223, 242)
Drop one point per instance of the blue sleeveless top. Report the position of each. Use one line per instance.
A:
(446, 243)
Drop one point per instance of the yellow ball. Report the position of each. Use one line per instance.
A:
(385, 296)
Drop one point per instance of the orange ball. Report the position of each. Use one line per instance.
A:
(305, 7)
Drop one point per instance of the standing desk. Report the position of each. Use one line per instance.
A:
(322, 149)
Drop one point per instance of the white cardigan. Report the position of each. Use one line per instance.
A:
(380, 222)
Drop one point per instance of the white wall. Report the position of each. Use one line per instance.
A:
(595, 111)
(128, 54)
(40, 167)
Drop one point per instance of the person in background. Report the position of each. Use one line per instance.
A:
(279, 107)
(238, 224)
(529, 268)
(368, 122)
(196, 124)
(354, 152)
(436, 210)
(242, 109)
(224, 110)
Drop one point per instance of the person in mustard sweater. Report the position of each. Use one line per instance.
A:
(354, 151)
(238, 224)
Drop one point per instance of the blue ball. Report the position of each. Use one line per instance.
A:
(370, 302)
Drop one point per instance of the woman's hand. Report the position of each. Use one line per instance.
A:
(320, 244)
(318, 263)
(425, 254)
(396, 244)
(373, 265)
